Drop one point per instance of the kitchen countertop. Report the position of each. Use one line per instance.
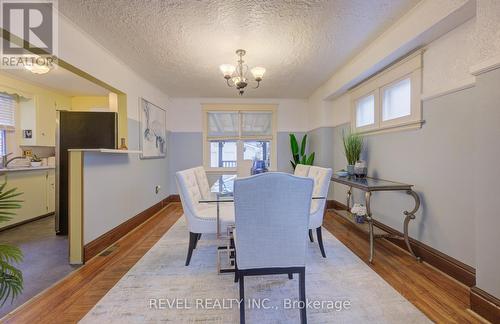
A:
(26, 169)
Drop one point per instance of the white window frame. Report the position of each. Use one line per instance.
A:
(409, 67)
(240, 108)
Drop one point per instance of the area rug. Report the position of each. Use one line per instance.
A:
(160, 289)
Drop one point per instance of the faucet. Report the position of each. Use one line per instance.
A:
(5, 161)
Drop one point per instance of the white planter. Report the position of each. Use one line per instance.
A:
(36, 164)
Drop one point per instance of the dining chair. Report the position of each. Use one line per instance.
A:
(200, 218)
(271, 219)
(321, 177)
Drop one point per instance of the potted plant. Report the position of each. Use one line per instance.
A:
(353, 145)
(11, 278)
(300, 157)
(36, 161)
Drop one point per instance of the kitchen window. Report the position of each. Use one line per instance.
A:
(235, 133)
(7, 119)
(390, 100)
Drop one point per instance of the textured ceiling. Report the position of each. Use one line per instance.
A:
(178, 45)
(61, 80)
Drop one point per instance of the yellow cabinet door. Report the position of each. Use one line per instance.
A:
(33, 185)
(51, 192)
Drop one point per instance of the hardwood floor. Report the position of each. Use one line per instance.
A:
(441, 298)
(70, 299)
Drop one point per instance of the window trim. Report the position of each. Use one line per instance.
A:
(408, 67)
(206, 108)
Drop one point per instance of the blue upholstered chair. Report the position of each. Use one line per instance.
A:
(272, 221)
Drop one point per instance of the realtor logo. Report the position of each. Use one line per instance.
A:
(29, 33)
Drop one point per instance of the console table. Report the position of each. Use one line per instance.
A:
(369, 185)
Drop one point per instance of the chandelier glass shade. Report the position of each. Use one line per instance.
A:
(238, 76)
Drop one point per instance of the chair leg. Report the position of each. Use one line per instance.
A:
(242, 299)
(311, 235)
(302, 296)
(320, 241)
(290, 276)
(192, 243)
(198, 236)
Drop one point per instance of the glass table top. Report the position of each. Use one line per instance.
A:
(370, 184)
(222, 190)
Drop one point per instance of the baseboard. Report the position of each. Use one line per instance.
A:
(172, 198)
(25, 222)
(98, 245)
(484, 304)
(447, 264)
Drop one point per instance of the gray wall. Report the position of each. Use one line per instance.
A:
(486, 157)
(437, 160)
(452, 161)
(185, 150)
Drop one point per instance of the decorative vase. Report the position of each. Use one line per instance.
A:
(350, 169)
(360, 169)
(123, 146)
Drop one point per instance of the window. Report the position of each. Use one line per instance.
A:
(235, 133)
(257, 150)
(365, 111)
(397, 100)
(3, 147)
(389, 100)
(7, 119)
(7, 109)
(223, 154)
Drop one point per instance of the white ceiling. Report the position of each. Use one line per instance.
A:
(60, 80)
(178, 45)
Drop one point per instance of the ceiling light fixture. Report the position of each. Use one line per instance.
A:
(37, 64)
(237, 76)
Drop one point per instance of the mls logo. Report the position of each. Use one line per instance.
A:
(29, 27)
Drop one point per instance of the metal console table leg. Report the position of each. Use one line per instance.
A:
(409, 215)
(369, 218)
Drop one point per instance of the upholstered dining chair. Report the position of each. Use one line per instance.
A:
(192, 185)
(271, 219)
(321, 177)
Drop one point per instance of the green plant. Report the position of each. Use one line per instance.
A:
(353, 145)
(11, 278)
(35, 158)
(300, 157)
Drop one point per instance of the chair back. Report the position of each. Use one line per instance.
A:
(301, 170)
(322, 178)
(201, 178)
(272, 218)
(189, 192)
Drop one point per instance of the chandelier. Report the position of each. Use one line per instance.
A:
(237, 76)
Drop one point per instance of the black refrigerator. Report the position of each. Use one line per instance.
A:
(79, 130)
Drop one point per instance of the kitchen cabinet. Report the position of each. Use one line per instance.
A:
(51, 191)
(39, 115)
(38, 188)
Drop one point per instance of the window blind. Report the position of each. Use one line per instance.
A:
(2, 143)
(223, 124)
(257, 124)
(397, 100)
(7, 110)
(365, 111)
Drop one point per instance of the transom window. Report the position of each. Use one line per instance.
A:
(390, 100)
(237, 133)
